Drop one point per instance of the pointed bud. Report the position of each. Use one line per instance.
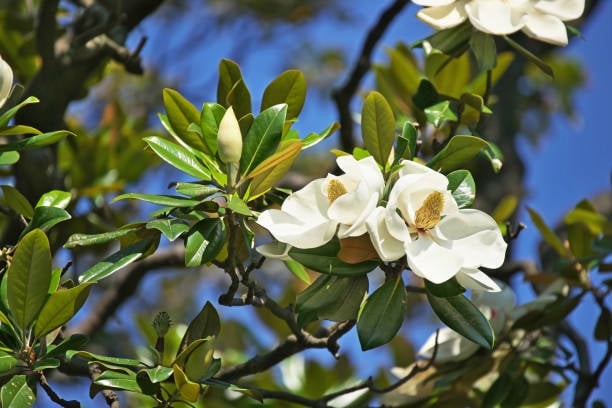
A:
(6, 81)
(229, 139)
(161, 324)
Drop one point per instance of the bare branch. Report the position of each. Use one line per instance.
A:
(53, 395)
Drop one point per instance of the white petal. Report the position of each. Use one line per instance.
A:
(442, 17)
(309, 202)
(386, 245)
(493, 17)
(429, 260)
(545, 28)
(500, 301)
(347, 208)
(298, 232)
(475, 279)
(358, 227)
(564, 9)
(276, 250)
(475, 236)
(364, 170)
(431, 3)
(6, 81)
(451, 346)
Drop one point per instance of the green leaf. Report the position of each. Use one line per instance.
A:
(33, 142)
(186, 388)
(195, 190)
(227, 386)
(426, 95)
(549, 235)
(75, 341)
(451, 41)
(6, 116)
(263, 137)
(210, 117)
(458, 313)
(274, 168)
(19, 130)
(76, 240)
(8, 158)
(181, 113)
(232, 90)
(237, 205)
(333, 298)
(205, 324)
(45, 363)
(324, 259)
(55, 198)
(91, 357)
(17, 201)
(116, 261)
(290, 88)
(172, 228)
(297, 269)
(462, 185)
(29, 277)
(60, 307)
(46, 218)
(457, 153)
(18, 392)
(545, 68)
(178, 157)
(119, 380)
(199, 363)
(166, 200)
(441, 112)
(498, 392)
(382, 314)
(157, 374)
(483, 47)
(406, 143)
(445, 289)
(204, 241)
(378, 127)
(7, 362)
(314, 138)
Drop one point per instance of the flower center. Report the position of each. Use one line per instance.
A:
(428, 215)
(334, 190)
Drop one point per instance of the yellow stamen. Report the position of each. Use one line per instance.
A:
(334, 190)
(428, 215)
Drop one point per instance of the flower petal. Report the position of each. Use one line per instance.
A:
(443, 17)
(564, 9)
(431, 261)
(451, 346)
(275, 250)
(545, 28)
(494, 17)
(474, 235)
(310, 201)
(364, 170)
(386, 245)
(431, 3)
(6, 81)
(475, 279)
(299, 232)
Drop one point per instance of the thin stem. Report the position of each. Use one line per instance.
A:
(53, 395)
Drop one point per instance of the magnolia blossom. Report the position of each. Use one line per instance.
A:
(6, 81)
(540, 19)
(440, 241)
(325, 207)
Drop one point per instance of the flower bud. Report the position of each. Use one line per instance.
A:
(6, 81)
(229, 139)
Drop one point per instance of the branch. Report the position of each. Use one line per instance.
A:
(344, 95)
(53, 395)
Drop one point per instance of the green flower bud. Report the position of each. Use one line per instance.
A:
(229, 139)
(6, 81)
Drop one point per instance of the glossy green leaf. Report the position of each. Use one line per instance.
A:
(479, 84)
(199, 361)
(297, 269)
(60, 307)
(406, 143)
(227, 386)
(290, 88)
(8, 158)
(91, 357)
(453, 40)
(588, 218)
(76, 240)
(118, 380)
(378, 127)
(440, 113)
(333, 297)
(46, 363)
(210, 117)
(6, 116)
(232, 90)
(186, 388)
(382, 314)
(28, 277)
(462, 185)
(484, 49)
(263, 137)
(33, 142)
(269, 172)
(544, 67)
(55, 198)
(178, 157)
(498, 392)
(172, 228)
(549, 235)
(46, 218)
(116, 261)
(167, 200)
(7, 361)
(181, 113)
(458, 313)
(18, 392)
(457, 153)
(17, 201)
(426, 95)
(445, 289)
(204, 241)
(205, 324)
(19, 130)
(324, 259)
(494, 155)
(195, 190)
(313, 138)
(237, 205)
(158, 374)
(75, 341)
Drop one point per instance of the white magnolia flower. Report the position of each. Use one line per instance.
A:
(311, 216)
(440, 241)
(540, 19)
(452, 346)
(6, 81)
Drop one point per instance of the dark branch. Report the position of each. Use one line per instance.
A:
(53, 395)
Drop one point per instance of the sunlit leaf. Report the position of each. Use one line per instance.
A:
(325, 260)
(205, 324)
(60, 307)
(232, 90)
(125, 362)
(17, 201)
(45, 218)
(36, 141)
(290, 88)
(172, 228)
(457, 153)
(75, 341)
(178, 157)
(274, 168)
(462, 185)
(440, 113)
(406, 143)
(181, 113)
(549, 235)
(76, 240)
(378, 127)
(167, 200)
(186, 388)
(8, 158)
(210, 117)
(204, 241)
(18, 392)
(55, 198)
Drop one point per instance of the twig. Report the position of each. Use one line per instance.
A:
(110, 396)
(344, 95)
(53, 395)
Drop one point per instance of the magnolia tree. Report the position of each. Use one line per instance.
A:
(391, 233)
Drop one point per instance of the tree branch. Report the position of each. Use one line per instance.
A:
(343, 95)
(53, 395)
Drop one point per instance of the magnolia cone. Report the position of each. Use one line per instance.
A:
(229, 139)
